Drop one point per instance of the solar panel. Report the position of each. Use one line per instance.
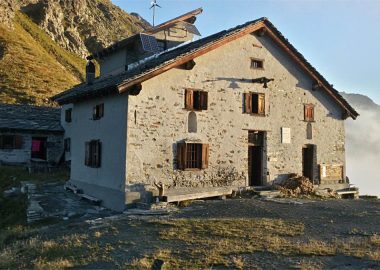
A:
(149, 43)
(192, 29)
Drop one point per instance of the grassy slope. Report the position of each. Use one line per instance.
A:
(32, 66)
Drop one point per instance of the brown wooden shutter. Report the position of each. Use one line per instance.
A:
(87, 158)
(181, 155)
(247, 102)
(18, 142)
(204, 100)
(205, 154)
(189, 100)
(261, 104)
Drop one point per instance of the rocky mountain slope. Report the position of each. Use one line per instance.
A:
(43, 43)
(363, 144)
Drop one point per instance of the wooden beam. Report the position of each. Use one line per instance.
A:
(316, 85)
(135, 90)
(187, 66)
(201, 51)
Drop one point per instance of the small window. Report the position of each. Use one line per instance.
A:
(254, 103)
(98, 112)
(196, 100)
(67, 144)
(192, 156)
(309, 112)
(257, 63)
(93, 153)
(68, 115)
(10, 142)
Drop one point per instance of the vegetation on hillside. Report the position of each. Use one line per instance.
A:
(33, 67)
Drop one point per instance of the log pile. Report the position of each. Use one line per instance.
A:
(296, 186)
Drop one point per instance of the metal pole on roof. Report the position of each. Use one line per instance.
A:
(154, 5)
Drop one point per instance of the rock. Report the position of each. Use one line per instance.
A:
(13, 192)
(296, 186)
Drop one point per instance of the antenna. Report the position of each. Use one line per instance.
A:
(154, 5)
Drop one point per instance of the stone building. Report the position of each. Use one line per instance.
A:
(30, 133)
(238, 108)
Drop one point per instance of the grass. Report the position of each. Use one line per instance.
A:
(183, 244)
(32, 66)
(13, 210)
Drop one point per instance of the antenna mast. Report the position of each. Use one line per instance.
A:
(154, 5)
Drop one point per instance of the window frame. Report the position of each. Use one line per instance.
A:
(248, 103)
(192, 156)
(258, 61)
(196, 100)
(98, 111)
(306, 112)
(16, 142)
(68, 115)
(93, 154)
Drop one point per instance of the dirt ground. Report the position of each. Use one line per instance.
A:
(248, 233)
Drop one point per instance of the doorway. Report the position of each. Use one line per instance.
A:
(39, 148)
(255, 157)
(308, 160)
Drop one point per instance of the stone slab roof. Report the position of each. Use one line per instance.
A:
(30, 118)
(166, 60)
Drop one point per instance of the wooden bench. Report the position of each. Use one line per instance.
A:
(186, 194)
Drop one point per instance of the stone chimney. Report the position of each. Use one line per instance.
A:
(90, 72)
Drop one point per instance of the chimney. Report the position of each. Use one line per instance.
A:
(90, 72)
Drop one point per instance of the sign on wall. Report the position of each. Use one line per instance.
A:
(285, 135)
(331, 172)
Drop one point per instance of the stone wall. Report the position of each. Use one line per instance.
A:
(158, 121)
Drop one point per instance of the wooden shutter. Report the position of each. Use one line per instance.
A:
(189, 100)
(98, 154)
(87, 158)
(247, 102)
(204, 100)
(18, 142)
(261, 104)
(101, 110)
(205, 154)
(309, 112)
(181, 155)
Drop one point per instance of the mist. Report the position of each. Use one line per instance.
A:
(363, 145)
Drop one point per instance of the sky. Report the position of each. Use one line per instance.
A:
(340, 38)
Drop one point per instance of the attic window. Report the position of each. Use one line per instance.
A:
(257, 63)
(196, 100)
(98, 112)
(254, 103)
(309, 112)
(68, 113)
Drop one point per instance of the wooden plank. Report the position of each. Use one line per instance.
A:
(183, 196)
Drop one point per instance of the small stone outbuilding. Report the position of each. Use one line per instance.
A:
(30, 133)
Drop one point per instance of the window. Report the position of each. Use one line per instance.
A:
(309, 112)
(68, 115)
(257, 63)
(67, 144)
(192, 123)
(195, 100)
(192, 156)
(98, 112)
(93, 154)
(254, 103)
(10, 142)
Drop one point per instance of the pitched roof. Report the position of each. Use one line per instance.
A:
(30, 118)
(182, 54)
